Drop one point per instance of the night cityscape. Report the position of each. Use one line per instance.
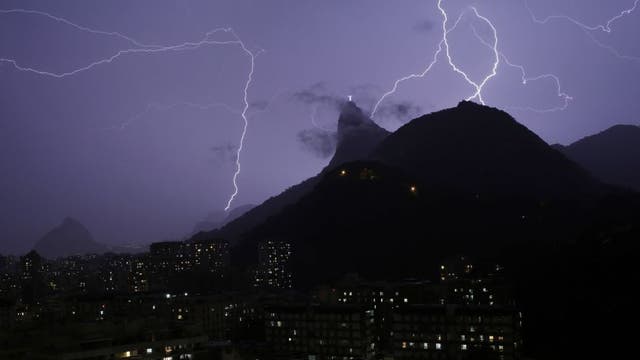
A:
(319, 180)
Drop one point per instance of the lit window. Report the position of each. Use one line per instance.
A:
(463, 347)
(425, 346)
(149, 350)
(404, 344)
(438, 346)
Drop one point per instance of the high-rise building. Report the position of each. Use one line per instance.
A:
(139, 274)
(273, 270)
(320, 331)
(456, 332)
(468, 282)
(188, 265)
(31, 265)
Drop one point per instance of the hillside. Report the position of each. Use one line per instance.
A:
(612, 156)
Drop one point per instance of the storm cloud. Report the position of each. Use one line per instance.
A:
(318, 142)
(424, 26)
(317, 94)
(403, 110)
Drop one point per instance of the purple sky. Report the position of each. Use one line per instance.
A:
(118, 148)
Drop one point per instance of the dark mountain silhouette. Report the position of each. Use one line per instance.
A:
(210, 222)
(472, 180)
(471, 165)
(68, 238)
(612, 156)
(237, 212)
(480, 149)
(357, 137)
(217, 219)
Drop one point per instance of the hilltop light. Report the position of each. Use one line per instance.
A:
(343, 172)
(413, 189)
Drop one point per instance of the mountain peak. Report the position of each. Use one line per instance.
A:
(352, 117)
(481, 149)
(69, 221)
(358, 135)
(68, 238)
(469, 104)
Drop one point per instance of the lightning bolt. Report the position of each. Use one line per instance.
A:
(166, 107)
(426, 71)
(497, 55)
(589, 29)
(246, 124)
(606, 27)
(157, 107)
(137, 47)
(454, 67)
(610, 48)
(314, 122)
(146, 50)
(444, 44)
(79, 27)
(566, 98)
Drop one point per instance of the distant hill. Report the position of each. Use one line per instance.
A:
(217, 219)
(68, 238)
(357, 136)
(613, 155)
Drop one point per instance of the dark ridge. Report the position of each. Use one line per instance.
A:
(612, 156)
